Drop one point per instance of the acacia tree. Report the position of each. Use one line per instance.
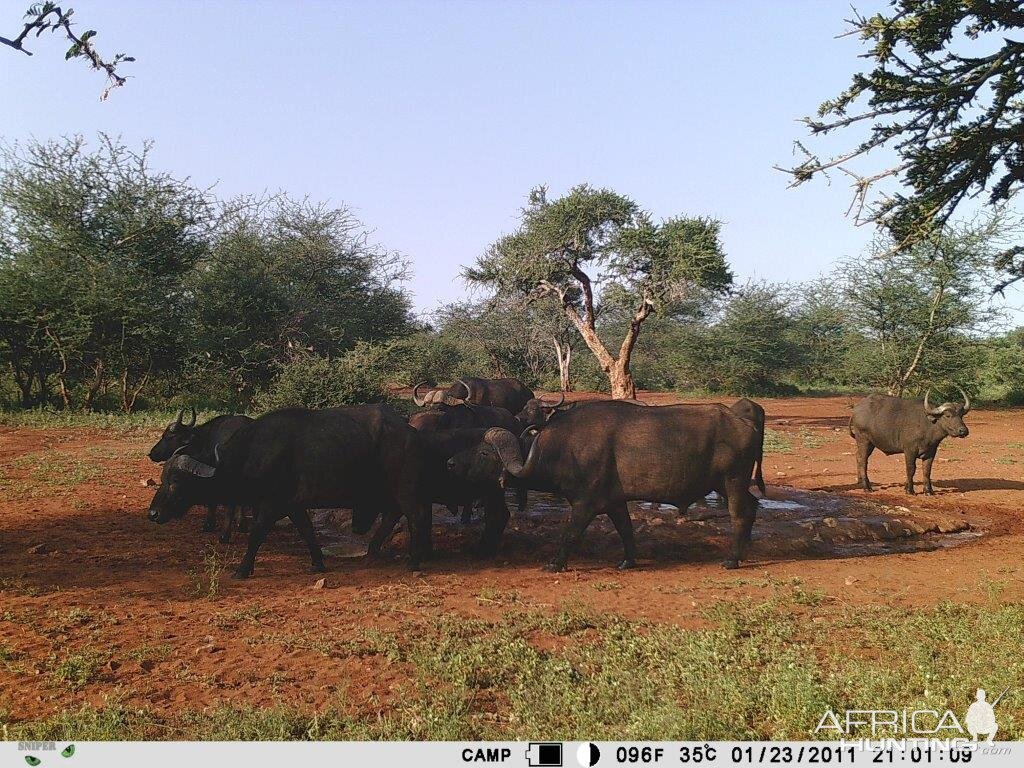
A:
(595, 246)
(286, 277)
(919, 310)
(944, 96)
(50, 17)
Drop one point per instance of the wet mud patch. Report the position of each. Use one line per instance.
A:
(792, 523)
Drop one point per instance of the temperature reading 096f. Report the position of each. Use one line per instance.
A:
(639, 754)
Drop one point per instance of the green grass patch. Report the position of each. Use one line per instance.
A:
(45, 471)
(52, 417)
(777, 442)
(763, 670)
(77, 670)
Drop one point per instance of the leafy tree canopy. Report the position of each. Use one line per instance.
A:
(944, 95)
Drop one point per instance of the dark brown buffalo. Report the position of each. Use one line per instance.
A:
(292, 460)
(753, 412)
(510, 394)
(438, 484)
(608, 453)
(915, 429)
(185, 437)
(462, 416)
(537, 411)
(465, 416)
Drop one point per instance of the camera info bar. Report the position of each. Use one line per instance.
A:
(534, 754)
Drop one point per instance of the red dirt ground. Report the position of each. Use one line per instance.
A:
(83, 570)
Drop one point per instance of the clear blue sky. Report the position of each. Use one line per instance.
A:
(432, 120)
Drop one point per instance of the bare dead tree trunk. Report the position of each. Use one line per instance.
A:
(564, 355)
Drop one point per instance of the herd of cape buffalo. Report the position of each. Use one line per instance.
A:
(475, 439)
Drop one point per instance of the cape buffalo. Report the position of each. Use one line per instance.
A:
(440, 485)
(894, 425)
(608, 453)
(192, 440)
(292, 460)
(753, 412)
(510, 394)
(466, 416)
(537, 411)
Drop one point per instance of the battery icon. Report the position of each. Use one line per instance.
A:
(544, 754)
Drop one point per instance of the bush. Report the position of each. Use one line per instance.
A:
(313, 381)
(747, 352)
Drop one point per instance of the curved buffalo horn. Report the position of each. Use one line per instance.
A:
(193, 422)
(465, 386)
(194, 466)
(420, 401)
(181, 415)
(967, 401)
(531, 428)
(927, 408)
(216, 454)
(178, 450)
(561, 400)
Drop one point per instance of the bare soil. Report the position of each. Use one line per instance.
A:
(96, 601)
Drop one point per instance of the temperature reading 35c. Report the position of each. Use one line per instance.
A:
(703, 753)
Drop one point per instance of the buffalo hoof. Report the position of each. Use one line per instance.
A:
(241, 573)
(627, 564)
(731, 565)
(554, 567)
(910, 491)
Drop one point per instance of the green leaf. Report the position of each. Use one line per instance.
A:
(68, 751)
(32, 760)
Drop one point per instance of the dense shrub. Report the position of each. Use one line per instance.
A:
(312, 381)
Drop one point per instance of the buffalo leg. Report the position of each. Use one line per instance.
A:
(265, 519)
(522, 499)
(210, 522)
(911, 461)
(495, 519)
(426, 542)
(742, 511)
(385, 529)
(229, 524)
(467, 511)
(624, 525)
(864, 449)
(415, 520)
(582, 515)
(926, 467)
(300, 518)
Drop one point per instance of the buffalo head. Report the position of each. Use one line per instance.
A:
(450, 396)
(182, 485)
(949, 416)
(177, 435)
(479, 464)
(537, 411)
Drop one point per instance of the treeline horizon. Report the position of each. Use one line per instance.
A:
(126, 288)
